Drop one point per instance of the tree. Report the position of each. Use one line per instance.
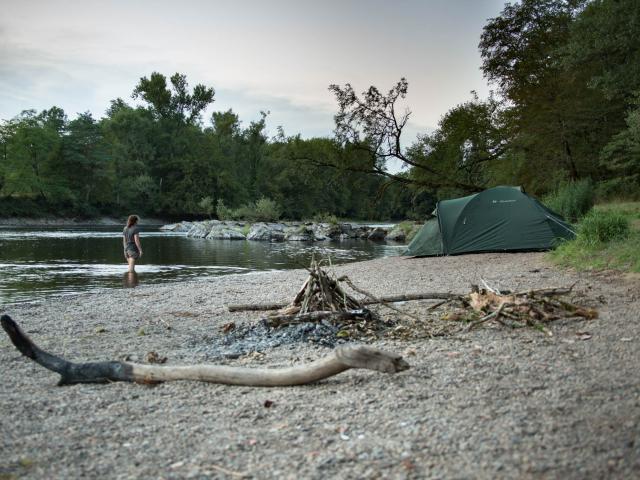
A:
(177, 103)
(179, 166)
(372, 125)
(604, 39)
(130, 135)
(255, 140)
(556, 121)
(225, 124)
(518, 48)
(33, 148)
(7, 130)
(468, 137)
(86, 161)
(622, 155)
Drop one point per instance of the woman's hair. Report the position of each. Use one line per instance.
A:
(132, 220)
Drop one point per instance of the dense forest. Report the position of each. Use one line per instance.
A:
(566, 107)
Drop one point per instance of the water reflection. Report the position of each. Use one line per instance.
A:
(130, 280)
(36, 264)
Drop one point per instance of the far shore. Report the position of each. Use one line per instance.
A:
(106, 221)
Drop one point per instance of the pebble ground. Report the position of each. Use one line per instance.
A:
(489, 403)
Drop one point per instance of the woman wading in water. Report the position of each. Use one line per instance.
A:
(131, 242)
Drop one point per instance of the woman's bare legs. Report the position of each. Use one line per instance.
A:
(132, 264)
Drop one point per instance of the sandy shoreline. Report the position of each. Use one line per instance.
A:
(488, 403)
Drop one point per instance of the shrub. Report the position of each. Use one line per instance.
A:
(264, 210)
(325, 217)
(603, 226)
(205, 206)
(267, 210)
(406, 226)
(572, 200)
(244, 212)
(627, 188)
(222, 211)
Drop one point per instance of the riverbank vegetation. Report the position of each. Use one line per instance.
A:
(608, 237)
(565, 112)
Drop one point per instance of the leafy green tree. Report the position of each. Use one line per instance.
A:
(468, 137)
(86, 161)
(33, 148)
(255, 140)
(622, 155)
(604, 39)
(175, 103)
(225, 152)
(179, 166)
(556, 121)
(226, 124)
(519, 47)
(130, 135)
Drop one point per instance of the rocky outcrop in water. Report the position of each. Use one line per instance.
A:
(396, 234)
(225, 232)
(267, 232)
(284, 231)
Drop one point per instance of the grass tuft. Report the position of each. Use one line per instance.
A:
(608, 238)
(572, 200)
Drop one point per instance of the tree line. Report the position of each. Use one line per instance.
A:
(566, 107)
(161, 159)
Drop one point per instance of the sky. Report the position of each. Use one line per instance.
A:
(272, 55)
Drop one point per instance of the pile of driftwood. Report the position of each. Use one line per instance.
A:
(532, 308)
(323, 298)
(320, 296)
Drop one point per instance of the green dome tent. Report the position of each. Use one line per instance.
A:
(500, 219)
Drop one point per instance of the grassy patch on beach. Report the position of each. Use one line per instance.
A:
(608, 238)
(410, 229)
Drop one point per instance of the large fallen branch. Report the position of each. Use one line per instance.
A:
(341, 359)
(322, 291)
(387, 299)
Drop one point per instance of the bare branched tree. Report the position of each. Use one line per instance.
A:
(371, 123)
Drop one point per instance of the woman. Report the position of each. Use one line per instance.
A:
(131, 242)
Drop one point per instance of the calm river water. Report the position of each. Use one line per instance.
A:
(39, 263)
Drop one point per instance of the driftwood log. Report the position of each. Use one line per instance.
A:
(341, 359)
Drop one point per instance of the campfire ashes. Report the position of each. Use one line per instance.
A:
(322, 313)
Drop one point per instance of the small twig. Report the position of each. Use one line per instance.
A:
(548, 292)
(493, 315)
(439, 304)
(228, 472)
(491, 289)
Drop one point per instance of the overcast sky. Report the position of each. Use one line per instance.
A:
(276, 55)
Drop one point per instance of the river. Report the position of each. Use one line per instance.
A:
(39, 263)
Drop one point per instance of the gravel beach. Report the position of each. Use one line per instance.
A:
(489, 403)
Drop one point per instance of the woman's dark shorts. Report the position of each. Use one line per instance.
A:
(131, 252)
